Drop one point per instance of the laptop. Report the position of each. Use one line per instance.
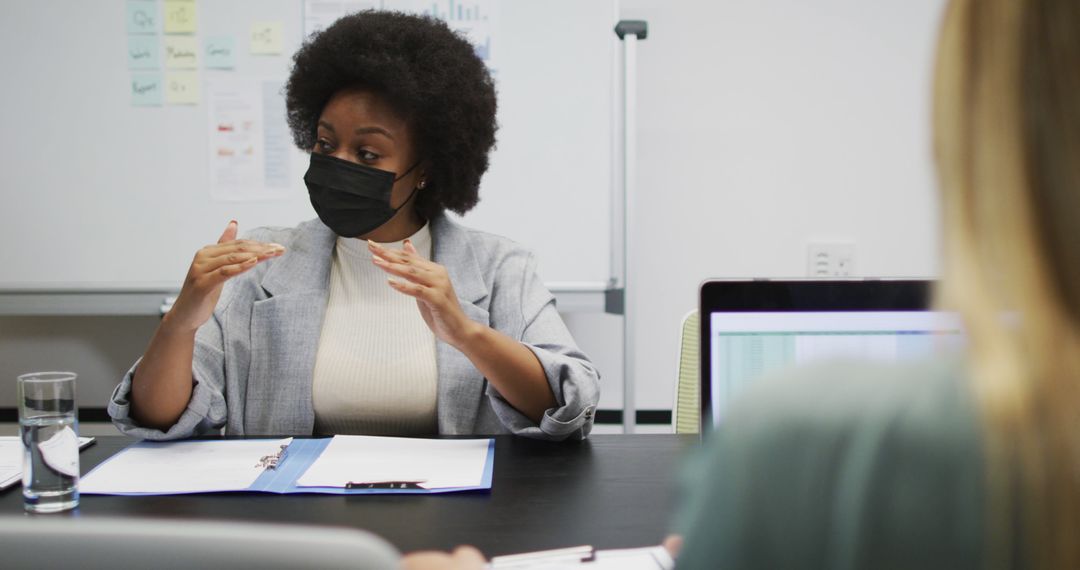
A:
(753, 328)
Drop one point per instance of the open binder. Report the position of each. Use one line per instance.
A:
(342, 465)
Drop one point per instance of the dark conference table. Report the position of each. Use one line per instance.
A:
(611, 491)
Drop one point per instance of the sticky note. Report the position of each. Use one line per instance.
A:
(181, 52)
(179, 16)
(146, 89)
(182, 88)
(143, 52)
(265, 38)
(142, 17)
(219, 52)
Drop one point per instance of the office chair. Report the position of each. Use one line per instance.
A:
(111, 543)
(687, 409)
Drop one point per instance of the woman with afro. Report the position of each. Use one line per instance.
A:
(382, 316)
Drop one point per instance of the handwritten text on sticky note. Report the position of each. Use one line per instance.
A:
(182, 88)
(265, 38)
(142, 52)
(180, 16)
(146, 89)
(142, 17)
(181, 52)
(220, 52)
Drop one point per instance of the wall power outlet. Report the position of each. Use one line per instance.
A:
(830, 259)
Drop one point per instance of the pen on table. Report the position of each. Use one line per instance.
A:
(583, 553)
(385, 484)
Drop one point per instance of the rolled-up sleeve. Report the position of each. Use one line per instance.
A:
(572, 377)
(206, 410)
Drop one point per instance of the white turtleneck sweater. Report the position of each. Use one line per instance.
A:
(375, 370)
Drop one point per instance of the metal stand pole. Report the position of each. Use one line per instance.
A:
(630, 32)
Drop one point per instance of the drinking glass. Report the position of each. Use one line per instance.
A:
(48, 426)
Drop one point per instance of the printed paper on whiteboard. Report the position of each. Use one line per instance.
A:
(249, 140)
(319, 14)
(477, 20)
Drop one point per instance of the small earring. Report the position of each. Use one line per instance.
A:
(422, 184)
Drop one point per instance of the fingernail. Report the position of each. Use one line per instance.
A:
(372, 244)
(232, 222)
(276, 245)
(408, 241)
(378, 259)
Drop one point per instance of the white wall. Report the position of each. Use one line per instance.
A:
(764, 125)
(99, 349)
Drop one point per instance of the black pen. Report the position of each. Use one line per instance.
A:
(384, 485)
(574, 554)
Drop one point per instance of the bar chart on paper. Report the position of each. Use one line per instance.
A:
(475, 19)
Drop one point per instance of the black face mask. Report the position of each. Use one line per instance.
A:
(351, 199)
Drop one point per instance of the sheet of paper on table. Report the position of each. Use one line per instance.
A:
(647, 558)
(430, 463)
(184, 467)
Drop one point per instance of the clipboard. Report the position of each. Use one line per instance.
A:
(11, 455)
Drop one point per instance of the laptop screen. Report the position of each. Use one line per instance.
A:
(761, 331)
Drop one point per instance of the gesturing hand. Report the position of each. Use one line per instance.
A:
(212, 267)
(428, 283)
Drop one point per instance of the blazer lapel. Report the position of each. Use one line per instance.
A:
(461, 386)
(285, 330)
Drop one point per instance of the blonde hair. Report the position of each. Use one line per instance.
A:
(1007, 140)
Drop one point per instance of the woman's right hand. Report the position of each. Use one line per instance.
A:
(212, 267)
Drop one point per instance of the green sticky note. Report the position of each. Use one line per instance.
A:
(220, 52)
(142, 17)
(147, 90)
(143, 52)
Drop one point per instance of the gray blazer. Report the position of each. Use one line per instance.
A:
(255, 357)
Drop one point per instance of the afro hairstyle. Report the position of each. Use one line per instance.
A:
(428, 74)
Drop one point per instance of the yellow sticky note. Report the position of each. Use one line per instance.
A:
(182, 88)
(181, 52)
(180, 16)
(265, 38)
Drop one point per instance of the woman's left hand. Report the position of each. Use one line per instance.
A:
(428, 283)
(463, 558)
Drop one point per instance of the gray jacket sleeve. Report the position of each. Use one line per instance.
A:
(206, 411)
(573, 379)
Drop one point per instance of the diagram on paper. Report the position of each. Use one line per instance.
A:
(249, 141)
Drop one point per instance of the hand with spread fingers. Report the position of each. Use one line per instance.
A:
(428, 283)
(212, 266)
(162, 385)
(511, 367)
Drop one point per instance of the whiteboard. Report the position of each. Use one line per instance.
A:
(103, 195)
